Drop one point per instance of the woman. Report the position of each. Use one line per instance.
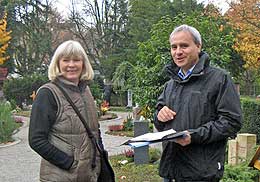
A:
(56, 133)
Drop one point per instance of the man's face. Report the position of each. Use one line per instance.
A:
(184, 51)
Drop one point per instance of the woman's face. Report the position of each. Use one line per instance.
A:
(71, 69)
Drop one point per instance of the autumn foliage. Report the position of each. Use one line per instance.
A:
(244, 16)
(4, 39)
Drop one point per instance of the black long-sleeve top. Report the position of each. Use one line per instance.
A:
(43, 116)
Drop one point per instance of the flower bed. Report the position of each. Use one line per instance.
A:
(115, 127)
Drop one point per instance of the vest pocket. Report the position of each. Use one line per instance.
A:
(62, 144)
(76, 158)
(86, 149)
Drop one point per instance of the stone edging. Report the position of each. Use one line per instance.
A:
(16, 141)
(115, 119)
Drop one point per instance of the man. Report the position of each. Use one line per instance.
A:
(201, 100)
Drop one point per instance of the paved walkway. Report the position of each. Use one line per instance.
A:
(19, 163)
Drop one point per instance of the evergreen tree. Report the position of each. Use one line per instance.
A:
(31, 47)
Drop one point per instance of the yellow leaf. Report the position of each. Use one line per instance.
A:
(4, 39)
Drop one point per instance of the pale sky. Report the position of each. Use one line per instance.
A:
(222, 4)
(63, 5)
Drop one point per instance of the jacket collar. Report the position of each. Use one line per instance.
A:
(70, 85)
(172, 69)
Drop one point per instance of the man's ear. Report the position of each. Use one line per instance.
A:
(199, 48)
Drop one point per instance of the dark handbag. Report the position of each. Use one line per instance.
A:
(106, 173)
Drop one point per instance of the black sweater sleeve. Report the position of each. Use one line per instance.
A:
(43, 116)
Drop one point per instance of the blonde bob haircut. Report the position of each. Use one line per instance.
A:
(70, 49)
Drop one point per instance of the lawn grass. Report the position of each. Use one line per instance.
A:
(25, 113)
(121, 133)
(120, 109)
(130, 172)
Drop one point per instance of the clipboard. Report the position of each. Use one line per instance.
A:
(150, 138)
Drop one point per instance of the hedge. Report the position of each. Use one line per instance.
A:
(251, 116)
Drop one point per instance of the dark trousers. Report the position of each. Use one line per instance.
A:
(167, 180)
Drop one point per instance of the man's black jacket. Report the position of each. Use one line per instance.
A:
(206, 104)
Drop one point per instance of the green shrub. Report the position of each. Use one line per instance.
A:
(20, 89)
(251, 116)
(7, 123)
(118, 98)
(128, 123)
(239, 173)
(96, 91)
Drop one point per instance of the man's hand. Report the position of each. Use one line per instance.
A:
(166, 114)
(185, 140)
